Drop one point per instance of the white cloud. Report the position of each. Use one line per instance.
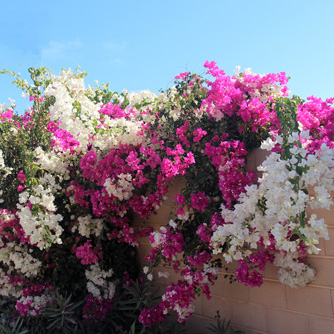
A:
(75, 52)
(115, 46)
(60, 51)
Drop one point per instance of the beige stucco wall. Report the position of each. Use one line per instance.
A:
(272, 308)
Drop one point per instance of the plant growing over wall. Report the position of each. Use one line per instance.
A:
(83, 162)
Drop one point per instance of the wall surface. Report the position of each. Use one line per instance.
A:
(272, 308)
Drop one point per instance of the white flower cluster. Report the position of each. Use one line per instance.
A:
(157, 237)
(7, 288)
(77, 112)
(144, 96)
(120, 131)
(40, 196)
(164, 274)
(2, 161)
(88, 226)
(17, 258)
(181, 309)
(146, 99)
(266, 90)
(293, 273)
(42, 228)
(7, 170)
(51, 161)
(81, 117)
(97, 283)
(121, 188)
(277, 207)
(176, 111)
(35, 303)
(5, 217)
(48, 180)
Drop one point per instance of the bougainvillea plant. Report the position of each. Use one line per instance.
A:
(82, 162)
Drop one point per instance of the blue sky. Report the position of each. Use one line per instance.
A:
(143, 44)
